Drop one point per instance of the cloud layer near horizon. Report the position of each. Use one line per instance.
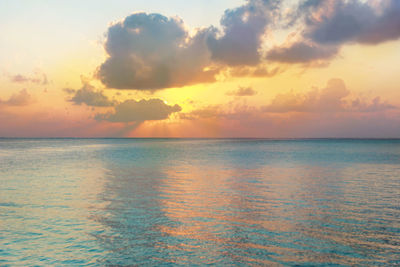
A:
(331, 111)
(334, 98)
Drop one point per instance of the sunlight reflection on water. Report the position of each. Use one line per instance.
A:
(225, 202)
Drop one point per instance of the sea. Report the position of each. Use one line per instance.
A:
(198, 202)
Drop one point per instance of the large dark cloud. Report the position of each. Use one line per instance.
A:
(243, 29)
(339, 21)
(326, 25)
(90, 96)
(150, 51)
(139, 111)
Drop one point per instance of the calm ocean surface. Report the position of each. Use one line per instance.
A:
(218, 202)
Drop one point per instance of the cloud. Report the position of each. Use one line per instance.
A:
(37, 78)
(202, 113)
(335, 101)
(328, 112)
(151, 51)
(242, 91)
(232, 112)
(139, 111)
(69, 91)
(243, 29)
(90, 96)
(365, 22)
(301, 52)
(259, 71)
(375, 105)
(326, 25)
(22, 98)
(329, 99)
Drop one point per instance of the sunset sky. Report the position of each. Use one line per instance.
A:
(200, 68)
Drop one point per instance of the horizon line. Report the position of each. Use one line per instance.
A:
(217, 138)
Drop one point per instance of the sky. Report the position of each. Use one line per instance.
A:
(200, 68)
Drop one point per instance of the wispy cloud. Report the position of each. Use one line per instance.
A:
(37, 77)
(242, 91)
(22, 98)
(332, 98)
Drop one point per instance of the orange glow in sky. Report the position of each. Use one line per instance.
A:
(276, 69)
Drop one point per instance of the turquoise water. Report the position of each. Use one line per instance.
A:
(219, 202)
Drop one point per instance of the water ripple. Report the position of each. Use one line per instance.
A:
(199, 202)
